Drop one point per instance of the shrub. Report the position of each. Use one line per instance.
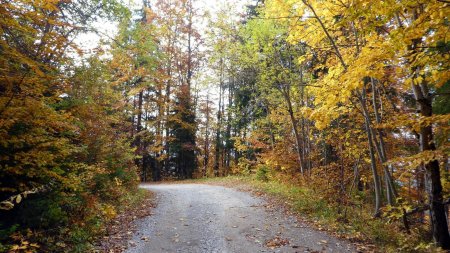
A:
(262, 172)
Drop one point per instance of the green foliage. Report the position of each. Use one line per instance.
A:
(441, 104)
(262, 172)
(80, 237)
(5, 234)
(43, 212)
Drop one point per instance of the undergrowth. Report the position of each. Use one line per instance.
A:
(73, 232)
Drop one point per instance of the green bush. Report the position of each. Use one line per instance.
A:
(42, 211)
(262, 172)
(245, 166)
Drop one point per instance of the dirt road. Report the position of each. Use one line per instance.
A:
(196, 218)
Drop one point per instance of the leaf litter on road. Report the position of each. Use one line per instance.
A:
(276, 242)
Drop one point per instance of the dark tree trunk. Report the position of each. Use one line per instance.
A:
(138, 143)
(437, 208)
(206, 147)
(217, 149)
(228, 130)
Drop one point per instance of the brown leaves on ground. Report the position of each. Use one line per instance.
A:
(276, 242)
(121, 229)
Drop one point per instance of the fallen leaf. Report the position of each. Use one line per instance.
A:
(18, 199)
(276, 242)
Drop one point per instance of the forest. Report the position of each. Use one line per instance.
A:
(348, 99)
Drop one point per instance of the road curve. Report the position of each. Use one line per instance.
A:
(197, 218)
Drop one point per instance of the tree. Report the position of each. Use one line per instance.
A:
(64, 146)
(332, 82)
(357, 60)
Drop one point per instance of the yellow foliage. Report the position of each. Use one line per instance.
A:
(109, 211)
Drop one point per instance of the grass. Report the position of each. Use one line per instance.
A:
(354, 223)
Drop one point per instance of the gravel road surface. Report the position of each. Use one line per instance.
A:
(196, 218)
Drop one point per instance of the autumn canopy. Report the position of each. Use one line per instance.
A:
(346, 99)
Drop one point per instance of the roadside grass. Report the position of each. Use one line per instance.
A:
(354, 223)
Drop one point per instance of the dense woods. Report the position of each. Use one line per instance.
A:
(348, 99)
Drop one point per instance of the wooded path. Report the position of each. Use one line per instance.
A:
(203, 218)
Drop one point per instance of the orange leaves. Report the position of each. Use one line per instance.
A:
(276, 242)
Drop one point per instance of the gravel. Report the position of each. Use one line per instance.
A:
(196, 218)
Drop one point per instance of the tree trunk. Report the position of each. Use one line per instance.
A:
(138, 132)
(424, 104)
(293, 120)
(381, 150)
(373, 163)
(228, 130)
(219, 125)
(437, 208)
(206, 147)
